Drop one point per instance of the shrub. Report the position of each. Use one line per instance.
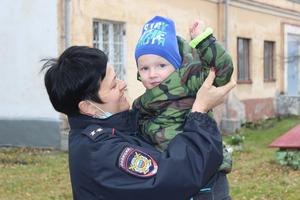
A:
(289, 158)
(237, 139)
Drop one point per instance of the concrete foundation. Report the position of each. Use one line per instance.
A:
(288, 105)
(33, 133)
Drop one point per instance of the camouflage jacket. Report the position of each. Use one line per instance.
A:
(164, 107)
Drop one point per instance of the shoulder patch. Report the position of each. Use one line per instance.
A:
(93, 131)
(137, 163)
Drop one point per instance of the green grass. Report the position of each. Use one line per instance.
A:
(256, 175)
(35, 174)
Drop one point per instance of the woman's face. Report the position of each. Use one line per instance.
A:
(112, 92)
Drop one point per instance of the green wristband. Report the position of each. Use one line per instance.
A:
(208, 31)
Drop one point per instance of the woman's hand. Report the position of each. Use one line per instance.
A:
(209, 96)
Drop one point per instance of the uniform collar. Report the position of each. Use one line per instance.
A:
(122, 121)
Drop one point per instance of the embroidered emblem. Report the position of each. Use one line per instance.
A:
(92, 133)
(96, 131)
(99, 130)
(137, 163)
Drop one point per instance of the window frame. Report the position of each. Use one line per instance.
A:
(271, 76)
(248, 53)
(119, 63)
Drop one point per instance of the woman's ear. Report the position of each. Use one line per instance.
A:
(86, 108)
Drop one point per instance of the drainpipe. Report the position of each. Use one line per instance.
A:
(67, 23)
(226, 35)
(226, 43)
(64, 125)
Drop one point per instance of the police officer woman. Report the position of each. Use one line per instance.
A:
(107, 158)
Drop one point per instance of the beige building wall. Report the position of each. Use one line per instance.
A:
(134, 14)
(261, 21)
(257, 20)
(258, 25)
(289, 5)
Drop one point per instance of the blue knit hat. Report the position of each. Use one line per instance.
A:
(159, 38)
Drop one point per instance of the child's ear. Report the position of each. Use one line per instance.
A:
(86, 108)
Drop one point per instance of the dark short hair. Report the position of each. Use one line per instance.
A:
(75, 76)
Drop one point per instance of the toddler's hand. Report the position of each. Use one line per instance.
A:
(196, 28)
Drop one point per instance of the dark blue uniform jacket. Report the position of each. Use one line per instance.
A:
(109, 161)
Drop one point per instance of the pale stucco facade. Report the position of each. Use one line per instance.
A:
(257, 20)
(134, 14)
(37, 29)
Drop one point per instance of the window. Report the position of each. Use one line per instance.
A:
(269, 61)
(243, 48)
(109, 37)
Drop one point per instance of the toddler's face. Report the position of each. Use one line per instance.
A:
(153, 69)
